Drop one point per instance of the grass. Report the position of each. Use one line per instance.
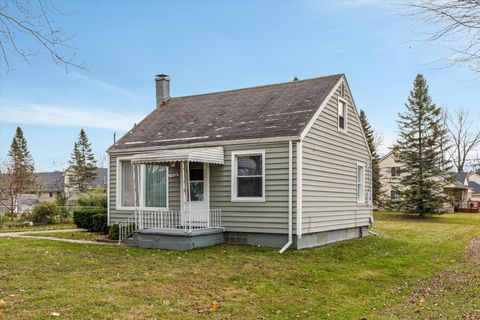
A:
(384, 277)
(76, 235)
(57, 226)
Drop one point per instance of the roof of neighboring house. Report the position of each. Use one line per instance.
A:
(100, 180)
(460, 177)
(475, 187)
(278, 110)
(51, 181)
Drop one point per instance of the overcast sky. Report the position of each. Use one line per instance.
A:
(213, 46)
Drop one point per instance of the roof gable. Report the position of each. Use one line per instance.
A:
(279, 110)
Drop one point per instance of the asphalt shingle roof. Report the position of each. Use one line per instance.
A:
(278, 110)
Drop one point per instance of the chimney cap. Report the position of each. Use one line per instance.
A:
(162, 76)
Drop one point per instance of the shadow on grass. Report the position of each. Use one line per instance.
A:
(447, 218)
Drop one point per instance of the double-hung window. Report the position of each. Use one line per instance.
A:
(151, 181)
(360, 183)
(395, 171)
(342, 114)
(248, 176)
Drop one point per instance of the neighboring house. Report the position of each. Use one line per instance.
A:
(458, 189)
(49, 186)
(277, 165)
(99, 181)
(474, 185)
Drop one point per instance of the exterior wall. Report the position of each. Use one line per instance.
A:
(329, 165)
(45, 196)
(387, 182)
(270, 216)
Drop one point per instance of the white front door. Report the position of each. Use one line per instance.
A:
(199, 190)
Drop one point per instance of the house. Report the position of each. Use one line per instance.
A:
(457, 187)
(48, 187)
(282, 165)
(474, 185)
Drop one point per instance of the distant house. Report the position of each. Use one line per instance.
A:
(278, 165)
(459, 188)
(49, 186)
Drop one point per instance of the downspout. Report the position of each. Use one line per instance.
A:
(290, 218)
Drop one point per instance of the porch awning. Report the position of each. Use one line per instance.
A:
(205, 155)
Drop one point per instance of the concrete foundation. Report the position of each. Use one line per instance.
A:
(182, 240)
(178, 239)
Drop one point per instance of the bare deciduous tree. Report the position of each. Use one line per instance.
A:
(28, 28)
(457, 25)
(464, 137)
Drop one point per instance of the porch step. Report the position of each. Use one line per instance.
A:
(178, 239)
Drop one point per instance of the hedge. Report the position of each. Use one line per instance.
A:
(83, 218)
(99, 223)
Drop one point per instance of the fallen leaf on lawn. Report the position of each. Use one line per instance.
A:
(2, 303)
(1, 313)
(166, 302)
(55, 314)
(422, 300)
(213, 307)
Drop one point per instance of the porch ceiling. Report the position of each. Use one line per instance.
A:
(212, 155)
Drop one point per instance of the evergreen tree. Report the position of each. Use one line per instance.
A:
(19, 176)
(372, 145)
(420, 147)
(83, 167)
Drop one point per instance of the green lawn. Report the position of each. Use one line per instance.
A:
(77, 235)
(414, 269)
(57, 226)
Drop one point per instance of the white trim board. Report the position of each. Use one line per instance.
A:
(233, 161)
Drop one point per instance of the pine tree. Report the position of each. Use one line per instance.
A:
(420, 148)
(83, 167)
(372, 145)
(19, 176)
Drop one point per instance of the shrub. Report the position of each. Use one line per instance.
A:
(46, 212)
(83, 218)
(113, 232)
(94, 198)
(99, 223)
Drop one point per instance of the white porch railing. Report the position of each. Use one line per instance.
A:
(170, 219)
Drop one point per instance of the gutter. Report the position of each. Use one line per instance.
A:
(290, 187)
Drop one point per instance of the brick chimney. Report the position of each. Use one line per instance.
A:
(162, 82)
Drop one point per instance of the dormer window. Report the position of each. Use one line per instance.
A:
(342, 114)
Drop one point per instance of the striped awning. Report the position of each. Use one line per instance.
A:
(205, 155)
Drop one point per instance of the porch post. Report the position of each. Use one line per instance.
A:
(189, 197)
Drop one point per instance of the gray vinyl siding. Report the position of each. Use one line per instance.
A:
(329, 176)
(270, 216)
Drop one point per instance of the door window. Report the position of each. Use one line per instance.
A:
(197, 182)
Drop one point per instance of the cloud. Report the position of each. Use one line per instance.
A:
(106, 86)
(50, 115)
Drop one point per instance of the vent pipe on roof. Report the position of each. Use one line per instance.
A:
(162, 83)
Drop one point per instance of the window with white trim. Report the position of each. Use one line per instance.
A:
(395, 171)
(153, 186)
(360, 183)
(248, 176)
(394, 195)
(342, 114)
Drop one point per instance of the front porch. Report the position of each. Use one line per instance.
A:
(156, 221)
